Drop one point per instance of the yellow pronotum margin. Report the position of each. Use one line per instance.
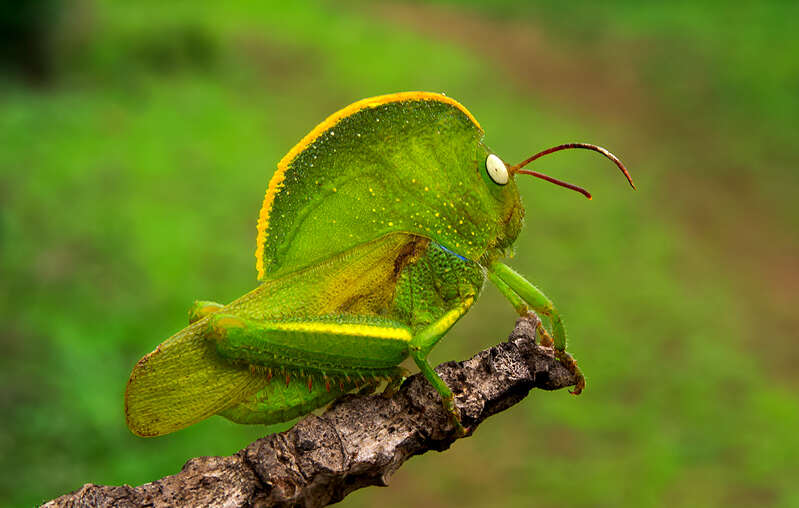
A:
(277, 180)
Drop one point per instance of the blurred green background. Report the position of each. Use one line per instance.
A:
(137, 139)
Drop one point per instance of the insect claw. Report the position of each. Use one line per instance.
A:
(288, 378)
(268, 374)
(327, 384)
(578, 388)
(310, 383)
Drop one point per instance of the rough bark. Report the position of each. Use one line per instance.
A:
(360, 440)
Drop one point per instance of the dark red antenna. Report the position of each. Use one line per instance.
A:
(518, 167)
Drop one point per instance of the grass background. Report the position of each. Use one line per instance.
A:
(134, 157)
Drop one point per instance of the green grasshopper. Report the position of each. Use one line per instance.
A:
(376, 235)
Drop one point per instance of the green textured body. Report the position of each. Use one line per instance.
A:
(377, 234)
(374, 285)
(336, 367)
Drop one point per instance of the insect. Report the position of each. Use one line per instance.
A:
(377, 233)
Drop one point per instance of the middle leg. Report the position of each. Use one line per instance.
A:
(423, 343)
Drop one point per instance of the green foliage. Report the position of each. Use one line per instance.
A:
(129, 189)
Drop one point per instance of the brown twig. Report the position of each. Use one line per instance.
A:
(359, 441)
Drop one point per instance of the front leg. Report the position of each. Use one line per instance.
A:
(520, 291)
(522, 308)
(532, 296)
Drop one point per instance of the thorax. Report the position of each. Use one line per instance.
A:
(432, 284)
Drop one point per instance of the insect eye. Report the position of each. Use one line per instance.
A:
(496, 169)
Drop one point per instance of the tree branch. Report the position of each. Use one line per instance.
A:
(360, 440)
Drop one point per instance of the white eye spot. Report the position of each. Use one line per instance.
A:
(496, 169)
